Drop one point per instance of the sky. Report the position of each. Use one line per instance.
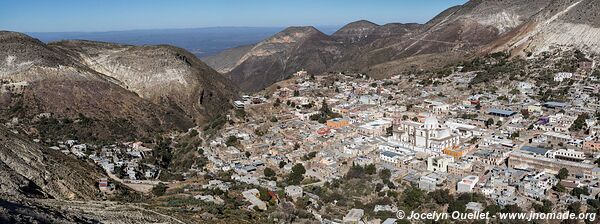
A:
(111, 15)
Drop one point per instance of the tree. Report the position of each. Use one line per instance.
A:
(297, 174)
(579, 191)
(269, 172)
(441, 197)
(525, 113)
(277, 102)
(390, 130)
(563, 173)
(370, 169)
(545, 207)
(489, 122)
(413, 197)
(159, 189)
(296, 93)
(579, 122)
(560, 188)
(232, 141)
(299, 169)
(385, 175)
(282, 164)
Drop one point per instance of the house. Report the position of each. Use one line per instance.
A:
(293, 192)
(238, 104)
(390, 157)
(561, 76)
(439, 163)
(467, 184)
(103, 184)
(474, 206)
(501, 112)
(375, 128)
(252, 197)
(337, 123)
(431, 181)
(354, 216)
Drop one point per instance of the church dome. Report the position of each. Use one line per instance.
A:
(431, 122)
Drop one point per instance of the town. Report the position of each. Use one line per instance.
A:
(346, 148)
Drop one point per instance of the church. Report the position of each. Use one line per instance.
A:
(427, 136)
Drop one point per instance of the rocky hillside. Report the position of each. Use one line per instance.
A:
(283, 54)
(167, 76)
(228, 59)
(146, 89)
(31, 170)
(478, 26)
(561, 24)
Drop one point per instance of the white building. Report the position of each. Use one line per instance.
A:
(429, 135)
(354, 216)
(293, 192)
(439, 163)
(561, 76)
(467, 184)
(390, 157)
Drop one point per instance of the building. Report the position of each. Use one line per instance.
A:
(474, 206)
(103, 184)
(431, 181)
(252, 197)
(501, 113)
(554, 105)
(561, 76)
(375, 128)
(467, 184)
(591, 145)
(337, 123)
(391, 157)
(439, 163)
(354, 216)
(528, 158)
(456, 151)
(460, 169)
(568, 155)
(293, 192)
(238, 104)
(429, 135)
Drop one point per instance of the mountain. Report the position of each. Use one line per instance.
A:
(476, 27)
(165, 75)
(58, 88)
(281, 55)
(355, 31)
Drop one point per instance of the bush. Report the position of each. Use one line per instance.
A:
(159, 189)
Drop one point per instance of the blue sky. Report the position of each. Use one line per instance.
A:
(109, 15)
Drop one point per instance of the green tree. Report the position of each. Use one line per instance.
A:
(370, 169)
(277, 102)
(489, 122)
(269, 172)
(563, 173)
(385, 175)
(159, 189)
(441, 197)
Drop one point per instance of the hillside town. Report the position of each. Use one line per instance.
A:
(303, 141)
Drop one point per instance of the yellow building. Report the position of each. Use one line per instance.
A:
(337, 123)
(455, 151)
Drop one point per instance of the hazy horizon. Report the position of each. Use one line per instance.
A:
(32, 16)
